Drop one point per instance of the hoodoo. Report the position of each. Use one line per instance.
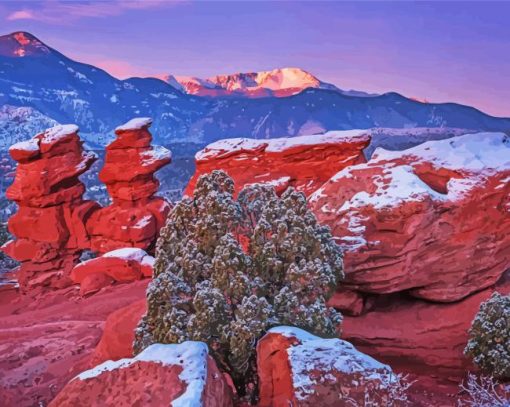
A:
(48, 226)
(135, 215)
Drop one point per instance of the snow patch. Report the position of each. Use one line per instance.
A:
(277, 145)
(327, 355)
(28, 145)
(58, 132)
(157, 153)
(135, 124)
(470, 152)
(397, 184)
(190, 355)
(127, 253)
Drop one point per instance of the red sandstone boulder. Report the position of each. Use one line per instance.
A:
(419, 336)
(121, 265)
(432, 219)
(304, 162)
(119, 333)
(162, 375)
(299, 369)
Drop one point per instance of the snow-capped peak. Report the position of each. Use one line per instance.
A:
(277, 82)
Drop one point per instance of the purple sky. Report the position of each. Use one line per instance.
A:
(439, 51)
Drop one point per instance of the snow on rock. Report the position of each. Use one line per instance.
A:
(227, 147)
(24, 150)
(430, 219)
(128, 253)
(57, 132)
(155, 155)
(182, 375)
(135, 124)
(121, 265)
(303, 162)
(298, 368)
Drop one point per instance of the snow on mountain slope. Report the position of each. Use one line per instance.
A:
(20, 123)
(278, 82)
(35, 76)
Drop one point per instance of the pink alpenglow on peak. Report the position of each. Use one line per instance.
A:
(182, 375)
(277, 82)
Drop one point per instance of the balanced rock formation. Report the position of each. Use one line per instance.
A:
(49, 224)
(432, 219)
(304, 162)
(299, 369)
(135, 215)
(121, 265)
(162, 375)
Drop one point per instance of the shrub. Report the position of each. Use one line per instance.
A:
(489, 337)
(227, 270)
(484, 392)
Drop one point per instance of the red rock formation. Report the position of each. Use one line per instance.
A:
(419, 336)
(161, 375)
(121, 265)
(299, 369)
(119, 333)
(49, 195)
(432, 219)
(304, 162)
(135, 215)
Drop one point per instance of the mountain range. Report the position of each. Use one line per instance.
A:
(287, 102)
(278, 83)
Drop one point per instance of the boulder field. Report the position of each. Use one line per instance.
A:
(423, 232)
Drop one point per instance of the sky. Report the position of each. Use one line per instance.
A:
(439, 51)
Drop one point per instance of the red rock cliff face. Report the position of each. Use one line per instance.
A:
(49, 223)
(304, 162)
(433, 219)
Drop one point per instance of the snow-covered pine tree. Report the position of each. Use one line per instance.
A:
(227, 270)
(489, 337)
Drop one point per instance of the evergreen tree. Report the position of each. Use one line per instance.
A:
(227, 270)
(489, 337)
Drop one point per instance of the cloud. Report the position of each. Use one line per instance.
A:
(21, 15)
(116, 67)
(63, 12)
